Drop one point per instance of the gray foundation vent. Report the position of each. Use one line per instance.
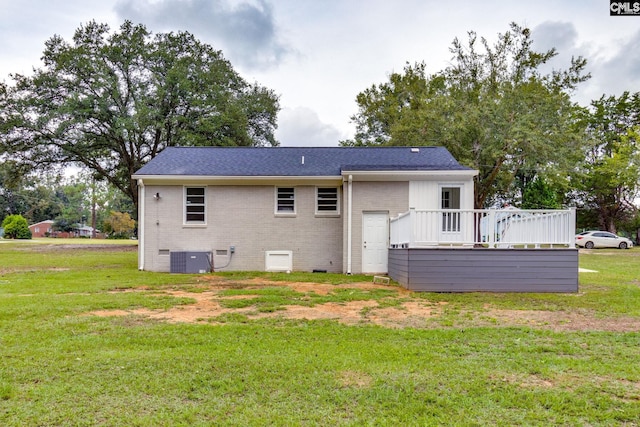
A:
(191, 262)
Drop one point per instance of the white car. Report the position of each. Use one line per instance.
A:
(602, 239)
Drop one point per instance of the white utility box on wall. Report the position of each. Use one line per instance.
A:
(278, 261)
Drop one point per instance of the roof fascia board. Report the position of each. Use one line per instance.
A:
(238, 180)
(409, 175)
(309, 180)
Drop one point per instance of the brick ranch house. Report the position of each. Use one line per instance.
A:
(309, 209)
(42, 228)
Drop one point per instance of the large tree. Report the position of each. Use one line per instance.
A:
(494, 109)
(608, 181)
(12, 198)
(112, 101)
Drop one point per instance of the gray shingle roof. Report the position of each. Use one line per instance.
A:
(288, 161)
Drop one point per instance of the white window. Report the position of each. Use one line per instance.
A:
(450, 199)
(285, 200)
(327, 202)
(194, 205)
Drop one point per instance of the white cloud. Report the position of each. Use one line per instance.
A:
(26, 25)
(321, 54)
(620, 72)
(245, 31)
(302, 127)
(613, 69)
(554, 34)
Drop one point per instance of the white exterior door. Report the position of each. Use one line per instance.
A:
(375, 242)
(450, 227)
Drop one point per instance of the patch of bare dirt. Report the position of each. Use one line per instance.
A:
(563, 321)
(355, 379)
(82, 247)
(410, 311)
(218, 282)
(526, 381)
(30, 270)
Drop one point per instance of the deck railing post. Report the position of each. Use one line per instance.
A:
(492, 229)
(413, 227)
(571, 227)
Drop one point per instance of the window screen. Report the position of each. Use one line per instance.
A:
(286, 200)
(195, 205)
(327, 200)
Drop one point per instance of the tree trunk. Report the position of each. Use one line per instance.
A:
(93, 210)
(133, 193)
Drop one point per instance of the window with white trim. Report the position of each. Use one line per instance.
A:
(285, 200)
(327, 201)
(194, 205)
(450, 201)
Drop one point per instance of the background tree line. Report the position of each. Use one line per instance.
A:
(496, 110)
(110, 101)
(68, 201)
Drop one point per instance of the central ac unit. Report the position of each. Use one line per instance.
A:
(190, 262)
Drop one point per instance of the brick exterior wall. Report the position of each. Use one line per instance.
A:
(243, 217)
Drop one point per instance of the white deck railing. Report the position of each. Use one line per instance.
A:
(493, 228)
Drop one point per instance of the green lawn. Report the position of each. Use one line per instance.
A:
(60, 366)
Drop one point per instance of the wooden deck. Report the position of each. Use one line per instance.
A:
(482, 269)
(492, 228)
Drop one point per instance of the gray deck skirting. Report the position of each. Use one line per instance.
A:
(481, 269)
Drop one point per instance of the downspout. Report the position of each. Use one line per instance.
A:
(349, 220)
(141, 224)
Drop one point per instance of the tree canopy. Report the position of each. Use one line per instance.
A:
(111, 101)
(494, 109)
(607, 182)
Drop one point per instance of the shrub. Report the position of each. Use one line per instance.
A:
(119, 225)
(16, 227)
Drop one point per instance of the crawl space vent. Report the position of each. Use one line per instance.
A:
(278, 261)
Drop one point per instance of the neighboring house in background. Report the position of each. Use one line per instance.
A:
(286, 208)
(45, 229)
(42, 228)
(81, 230)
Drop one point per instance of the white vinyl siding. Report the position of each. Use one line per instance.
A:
(327, 201)
(195, 205)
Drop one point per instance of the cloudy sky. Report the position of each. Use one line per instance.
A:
(317, 55)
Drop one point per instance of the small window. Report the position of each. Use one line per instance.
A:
(450, 200)
(286, 200)
(327, 200)
(194, 209)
